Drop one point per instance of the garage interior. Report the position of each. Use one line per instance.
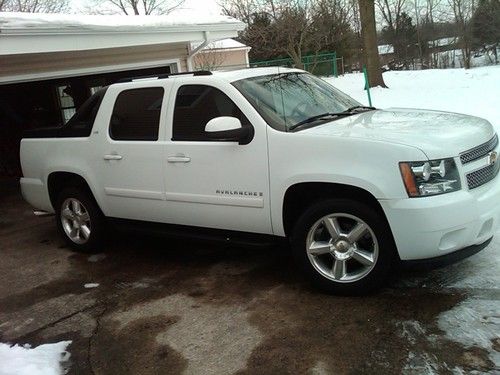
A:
(48, 103)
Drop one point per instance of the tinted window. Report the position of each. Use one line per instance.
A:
(196, 105)
(83, 120)
(136, 115)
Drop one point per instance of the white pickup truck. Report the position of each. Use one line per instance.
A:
(271, 152)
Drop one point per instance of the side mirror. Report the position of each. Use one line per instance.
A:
(222, 123)
(228, 129)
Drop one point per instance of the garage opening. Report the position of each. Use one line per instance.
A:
(48, 103)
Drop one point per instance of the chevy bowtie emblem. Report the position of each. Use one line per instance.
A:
(492, 157)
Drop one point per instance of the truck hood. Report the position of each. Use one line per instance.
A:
(437, 134)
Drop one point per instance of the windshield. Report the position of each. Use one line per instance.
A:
(290, 99)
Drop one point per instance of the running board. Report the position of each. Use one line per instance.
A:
(195, 233)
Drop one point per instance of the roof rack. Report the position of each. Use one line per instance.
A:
(166, 75)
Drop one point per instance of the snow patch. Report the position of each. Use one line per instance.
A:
(96, 257)
(420, 363)
(133, 285)
(46, 359)
(48, 21)
(91, 285)
(474, 322)
(410, 330)
(473, 92)
(481, 271)
(320, 368)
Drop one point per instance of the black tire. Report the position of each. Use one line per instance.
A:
(387, 253)
(97, 219)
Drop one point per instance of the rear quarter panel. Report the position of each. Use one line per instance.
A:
(41, 157)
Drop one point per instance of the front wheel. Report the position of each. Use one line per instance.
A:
(79, 219)
(344, 246)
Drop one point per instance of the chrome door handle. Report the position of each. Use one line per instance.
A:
(179, 159)
(112, 157)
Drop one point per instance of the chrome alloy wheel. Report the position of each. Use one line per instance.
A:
(75, 221)
(342, 247)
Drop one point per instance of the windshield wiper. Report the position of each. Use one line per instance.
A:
(359, 108)
(318, 117)
(348, 112)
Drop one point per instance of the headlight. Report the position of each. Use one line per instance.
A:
(424, 178)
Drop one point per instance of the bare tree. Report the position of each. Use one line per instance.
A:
(418, 8)
(241, 9)
(431, 7)
(276, 27)
(134, 7)
(369, 34)
(210, 58)
(294, 24)
(34, 6)
(463, 10)
(296, 28)
(391, 10)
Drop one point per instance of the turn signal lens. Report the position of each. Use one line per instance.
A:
(408, 179)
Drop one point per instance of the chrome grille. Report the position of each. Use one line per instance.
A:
(481, 176)
(479, 151)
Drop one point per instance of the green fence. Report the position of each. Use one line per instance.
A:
(324, 64)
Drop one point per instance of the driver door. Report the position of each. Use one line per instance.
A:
(215, 184)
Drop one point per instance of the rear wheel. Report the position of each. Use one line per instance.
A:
(80, 220)
(344, 246)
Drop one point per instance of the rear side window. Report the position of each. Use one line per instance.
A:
(81, 123)
(195, 105)
(136, 115)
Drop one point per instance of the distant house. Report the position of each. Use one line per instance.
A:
(443, 44)
(222, 54)
(51, 63)
(386, 53)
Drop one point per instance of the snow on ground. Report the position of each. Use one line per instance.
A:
(475, 91)
(47, 359)
(476, 320)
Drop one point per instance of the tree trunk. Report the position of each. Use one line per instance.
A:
(369, 34)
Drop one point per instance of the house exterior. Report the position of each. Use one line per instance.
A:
(51, 63)
(386, 53)
(223, 54)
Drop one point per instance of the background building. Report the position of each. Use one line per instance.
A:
(222, 54)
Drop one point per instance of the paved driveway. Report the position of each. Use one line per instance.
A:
(155, 306)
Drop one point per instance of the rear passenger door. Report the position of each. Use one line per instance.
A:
(130, 158)
(216, 184)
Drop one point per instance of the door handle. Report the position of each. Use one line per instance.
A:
(179, 159)
(112, 157)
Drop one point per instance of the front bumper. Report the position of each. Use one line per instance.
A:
(444, 260)
(431, 227)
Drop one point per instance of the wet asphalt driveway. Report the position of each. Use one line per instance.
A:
(149, 305)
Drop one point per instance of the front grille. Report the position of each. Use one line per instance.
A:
(481, 176)
(479, 151)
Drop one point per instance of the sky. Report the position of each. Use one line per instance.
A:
(211, 6)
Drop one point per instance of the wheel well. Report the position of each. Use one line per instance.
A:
(298, 197)
(60, 180)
